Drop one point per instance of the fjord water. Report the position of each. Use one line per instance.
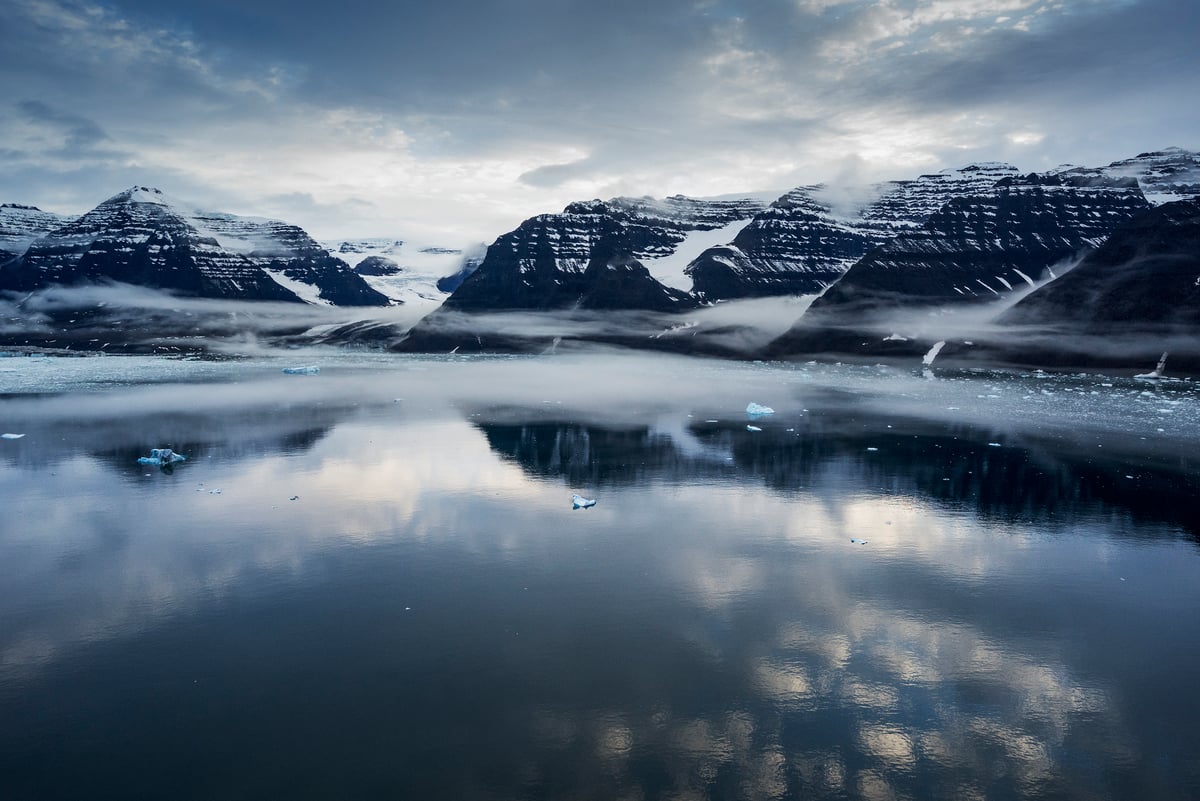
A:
(370, 582)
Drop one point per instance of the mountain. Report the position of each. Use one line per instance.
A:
(1146, 276)
(1164, 175)
(142, 237)
(973, 250)
(542, 264)
(809, 237)
(21, 225)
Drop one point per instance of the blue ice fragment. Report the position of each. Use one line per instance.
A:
(753, 428)
(580, 502)
(858, 541)
(755, 410)
(162, 456)
(311, 369)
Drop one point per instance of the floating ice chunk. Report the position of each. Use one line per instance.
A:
(214, 492)
(753, 428)
(872, 449)
(162, 456)
(580, 502)
(11, 436)
(857, 541)
(311, 369)
(995, 445)
(755, 410)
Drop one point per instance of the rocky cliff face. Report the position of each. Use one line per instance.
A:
(541, 264)
(20, 225)
(1146, 276)
(975, 249)
(1163, 175)
(141, 237)
(805, 241)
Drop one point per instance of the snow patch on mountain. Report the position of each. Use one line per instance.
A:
(671, 268)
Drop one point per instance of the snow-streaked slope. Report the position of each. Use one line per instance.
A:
(541, 264)
(811, 235)
(21, 225)
(1164, 175)
(144, 237)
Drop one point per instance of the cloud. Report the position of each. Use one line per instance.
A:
(462, 118)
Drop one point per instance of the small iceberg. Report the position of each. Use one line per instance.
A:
(1157, 372)
(580, 502)
(311, 369)
(11, 436)
(756, 410)
(162, 457)
(857, 541)
(753, 428)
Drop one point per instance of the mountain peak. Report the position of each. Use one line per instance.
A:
(140, 194)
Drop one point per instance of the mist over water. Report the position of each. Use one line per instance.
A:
(430, 618)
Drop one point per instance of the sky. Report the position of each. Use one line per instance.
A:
(451, 121)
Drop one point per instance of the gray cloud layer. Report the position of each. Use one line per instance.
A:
(360, 117)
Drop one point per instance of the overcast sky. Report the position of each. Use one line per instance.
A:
(453, 120)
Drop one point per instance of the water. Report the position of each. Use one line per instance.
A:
(429, 618)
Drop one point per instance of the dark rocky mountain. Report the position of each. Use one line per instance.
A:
(973, 250)
(449, 283)
(616, 280)
(21, 225)
(1145, 277)
(541, 264)
(141, 237)
(805, 240)
(377, 265)
(1164, 175)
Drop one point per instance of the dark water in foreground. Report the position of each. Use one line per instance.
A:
(429, 618)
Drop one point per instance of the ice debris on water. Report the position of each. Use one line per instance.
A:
(755, 410)
(162, 456)
(311, 369)
(753, 428)
(580, 502)
(11, 436)
(857, 541)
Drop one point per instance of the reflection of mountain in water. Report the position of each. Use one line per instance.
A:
(1019, 480)
(118, 442)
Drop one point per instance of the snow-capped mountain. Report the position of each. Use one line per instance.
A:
(1164, 175)
(142, 237)
(21, 225)
(542, 264)
(975, 249)
(1145, 276)
(408, 272)
(809, 237)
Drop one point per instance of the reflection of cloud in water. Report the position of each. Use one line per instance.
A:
(772, 619)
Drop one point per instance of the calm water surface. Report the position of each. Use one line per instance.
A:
(370, 583)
